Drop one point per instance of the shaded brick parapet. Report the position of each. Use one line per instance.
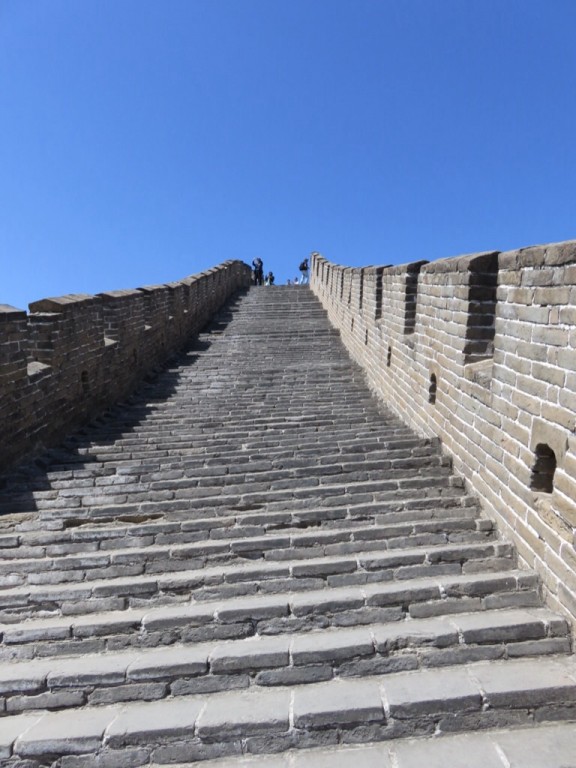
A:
(480, 350)
(73, 356)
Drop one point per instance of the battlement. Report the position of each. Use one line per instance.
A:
(73, 356)
(480, 350)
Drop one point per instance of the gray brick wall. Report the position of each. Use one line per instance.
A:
(73, 356)
(498, 333)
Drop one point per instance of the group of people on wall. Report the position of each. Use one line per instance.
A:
(259, 278)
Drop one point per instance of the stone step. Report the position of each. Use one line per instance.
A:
(210, 491)
(200, 481)
(54, 531)
(345, 460)
(107, 619)
(544, 746)
(413, 493)
(281, 660)
(369, 550)
(59, 513)
(320, 451)
(344, 711)
(235, 567)
(318, 440)
(261, 535)
(244, 463)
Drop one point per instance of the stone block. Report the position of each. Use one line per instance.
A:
(208, 684)
(48, 700)
(241, 714)
(331, 647)
(128, 692)
(478, 748)
(163, 663)
(58, 733)
(376, 756)
(11, 728)
(527, 683)
(431, 692)
(253, 653)
(544, 746)
(338, 703)
(150, 722)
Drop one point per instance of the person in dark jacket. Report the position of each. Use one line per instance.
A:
(258, 266)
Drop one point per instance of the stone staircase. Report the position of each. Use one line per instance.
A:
(252, 557)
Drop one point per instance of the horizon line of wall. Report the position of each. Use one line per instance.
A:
(480, 351)
(74, 356)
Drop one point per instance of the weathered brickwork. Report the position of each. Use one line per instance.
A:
(73, 356)
(480, 350)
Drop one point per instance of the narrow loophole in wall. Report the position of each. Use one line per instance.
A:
(366, 336)
(542, 478)
(378, 309)
(389, 356)
(85, 383)
(352, 324)
(432, 389)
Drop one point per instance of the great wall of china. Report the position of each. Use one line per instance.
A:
(292, 526)
(480, 351)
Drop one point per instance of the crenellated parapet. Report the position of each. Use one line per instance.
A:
(480, 350)
(70, 357)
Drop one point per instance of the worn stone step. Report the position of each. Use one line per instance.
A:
(344, 711)
(42, 563)
(220, 451)
(285, 473)
(134, 574)
(109, 619)
(544, 746)
(414, 494)
(313, 484)
(177, 670)
(130, 529)
(57, 517)
(54, 535)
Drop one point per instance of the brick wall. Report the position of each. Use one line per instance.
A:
(73, 356)
(480, 350)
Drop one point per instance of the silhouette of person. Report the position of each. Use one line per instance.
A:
(258, 271)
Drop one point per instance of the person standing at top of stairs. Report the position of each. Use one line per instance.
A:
(304, 272)
(258, 271)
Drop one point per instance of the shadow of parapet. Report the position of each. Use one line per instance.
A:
(61, 478)
(72, 357)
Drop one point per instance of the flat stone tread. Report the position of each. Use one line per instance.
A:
(236, 714)
(545, 746)
(246, 569)
(94, 529)
(383, 593)
(364, 554)
(274, 539)
(307, 647)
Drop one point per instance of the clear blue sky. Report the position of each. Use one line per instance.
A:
(145, 140)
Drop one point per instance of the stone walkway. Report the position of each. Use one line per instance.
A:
(253, 563)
